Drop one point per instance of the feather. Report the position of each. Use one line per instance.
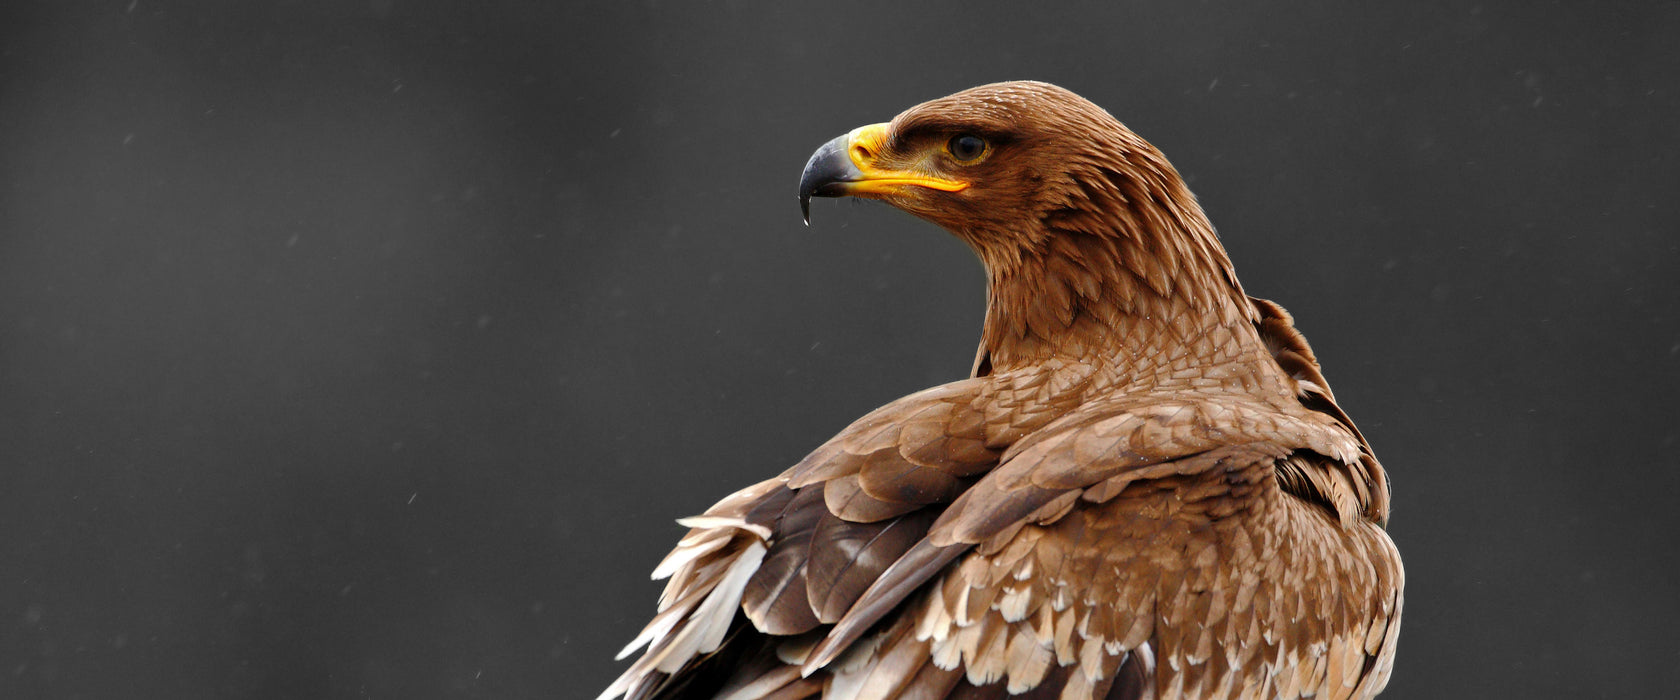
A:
(847, 499)
(704, 629)
(846, 558)
(775, 598)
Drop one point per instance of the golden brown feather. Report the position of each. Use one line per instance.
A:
(1145, 489)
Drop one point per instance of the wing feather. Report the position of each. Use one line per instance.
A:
(776, 597)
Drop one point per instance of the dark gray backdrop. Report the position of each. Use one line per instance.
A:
(369, 349)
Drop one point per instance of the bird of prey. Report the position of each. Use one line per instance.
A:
(1145, 489)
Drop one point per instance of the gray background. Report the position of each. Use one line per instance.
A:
(369, 349)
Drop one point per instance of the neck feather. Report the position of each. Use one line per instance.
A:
(1123, 259)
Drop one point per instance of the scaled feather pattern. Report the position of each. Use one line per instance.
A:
(1145, 489)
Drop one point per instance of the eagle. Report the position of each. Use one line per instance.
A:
(1144, 489)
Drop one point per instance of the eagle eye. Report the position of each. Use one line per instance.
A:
(966, 148)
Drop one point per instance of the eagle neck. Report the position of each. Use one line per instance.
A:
(1134, 296)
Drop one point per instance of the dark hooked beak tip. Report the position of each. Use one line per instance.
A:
(827, 173)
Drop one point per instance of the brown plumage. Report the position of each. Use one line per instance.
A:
(1145, 490)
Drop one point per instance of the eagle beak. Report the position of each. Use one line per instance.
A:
(827, 173)
(846, 166)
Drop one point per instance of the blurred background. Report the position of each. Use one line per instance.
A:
(369, 349)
